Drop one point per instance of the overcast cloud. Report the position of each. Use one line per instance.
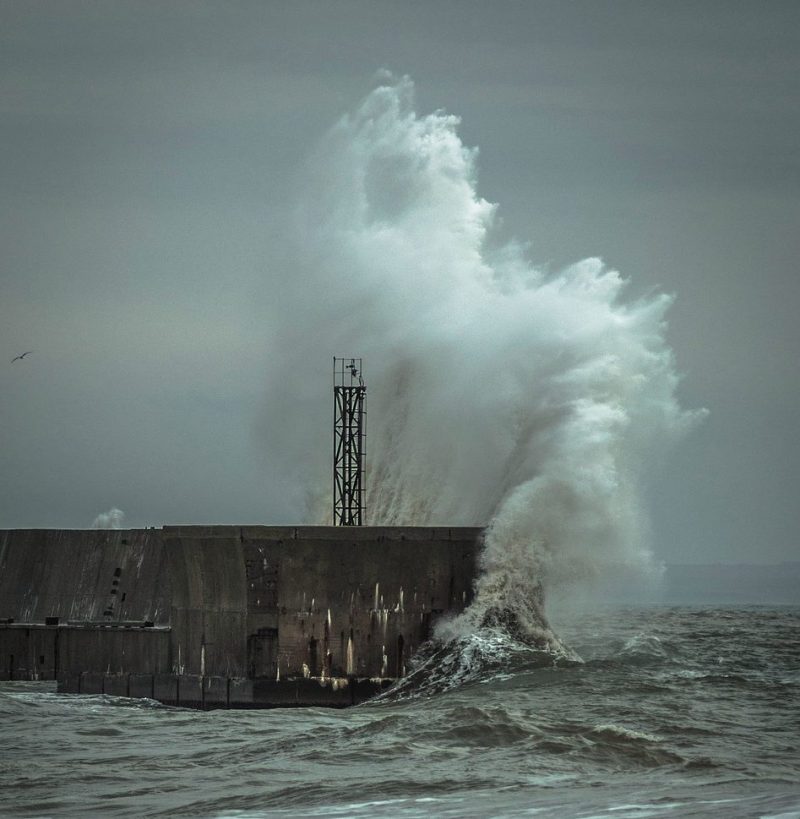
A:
(151, 150)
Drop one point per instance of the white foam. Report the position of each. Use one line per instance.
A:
(497, 391)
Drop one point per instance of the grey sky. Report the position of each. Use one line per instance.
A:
(147, 148)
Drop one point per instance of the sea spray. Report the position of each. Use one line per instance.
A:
(499, 393)
(112, 519)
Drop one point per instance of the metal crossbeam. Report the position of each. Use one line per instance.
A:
(349, 438)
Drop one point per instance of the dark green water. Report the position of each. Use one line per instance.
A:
(675, 712)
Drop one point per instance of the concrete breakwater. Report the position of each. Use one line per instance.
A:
(228, 616)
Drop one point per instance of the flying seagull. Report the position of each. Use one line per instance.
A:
(20, 357)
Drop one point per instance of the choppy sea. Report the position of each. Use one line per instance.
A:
(675, 711)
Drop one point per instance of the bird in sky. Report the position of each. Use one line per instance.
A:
(20, 357)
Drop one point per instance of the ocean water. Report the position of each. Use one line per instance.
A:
(675, 711)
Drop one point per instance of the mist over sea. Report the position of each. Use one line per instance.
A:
(675, 711)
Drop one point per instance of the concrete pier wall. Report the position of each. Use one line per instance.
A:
(225, 616)
(80, 575)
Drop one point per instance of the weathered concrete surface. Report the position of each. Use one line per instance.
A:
(210, 693)
(357, 604)
(189, 614)
(80, 575)
(208, 610)
(40, 652)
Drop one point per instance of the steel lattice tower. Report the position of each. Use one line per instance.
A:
(349, 436)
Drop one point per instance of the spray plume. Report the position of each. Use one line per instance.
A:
(112, 519)
(498, 394)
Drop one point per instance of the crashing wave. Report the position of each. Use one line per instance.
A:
(500, 391)
(500, 645)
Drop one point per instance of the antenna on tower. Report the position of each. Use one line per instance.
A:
(349, 435)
